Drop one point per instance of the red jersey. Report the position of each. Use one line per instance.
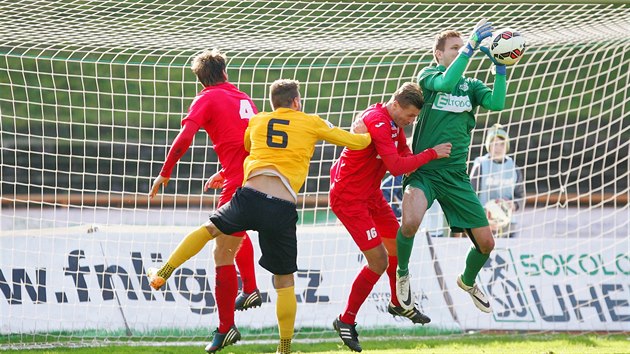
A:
(358, 173)
(224, 112)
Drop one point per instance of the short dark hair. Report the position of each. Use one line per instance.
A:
(209, 66)
(283, 92)
(440, 40)
(409, 94)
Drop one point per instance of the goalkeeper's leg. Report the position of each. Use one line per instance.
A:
(414, 206)
(188, 247)
(387, 226)
(477, 256)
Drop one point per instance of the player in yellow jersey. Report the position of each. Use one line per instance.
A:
(280, 144)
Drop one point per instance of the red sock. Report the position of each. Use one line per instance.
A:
(391, 274)
(245, 263)
(361, 288)
(226, 290)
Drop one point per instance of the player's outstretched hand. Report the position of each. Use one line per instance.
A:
(358, 126)
(443, 150)
(215, 182)
(156, 185)
(500, 68)
(482, 30)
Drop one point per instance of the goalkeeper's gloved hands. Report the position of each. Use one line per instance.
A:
(500, 68)
(482, 30)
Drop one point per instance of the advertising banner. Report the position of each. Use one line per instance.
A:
(551, 285)
(72, 279)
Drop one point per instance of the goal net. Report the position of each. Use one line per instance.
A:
(92, 94)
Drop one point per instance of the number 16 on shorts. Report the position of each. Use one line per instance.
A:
(371, 233)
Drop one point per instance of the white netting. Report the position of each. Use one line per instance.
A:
(92, 93)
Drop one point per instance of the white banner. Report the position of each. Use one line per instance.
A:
(71, 279)
(553, 284)
(74, 280)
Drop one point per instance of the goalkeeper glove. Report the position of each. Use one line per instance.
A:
(500, 68)
(482, 30)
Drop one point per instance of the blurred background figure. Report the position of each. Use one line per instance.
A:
(498, 182)
(393, 192)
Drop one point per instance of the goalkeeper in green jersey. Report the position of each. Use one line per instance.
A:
(448, 116)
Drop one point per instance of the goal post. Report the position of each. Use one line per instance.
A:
(92, 94)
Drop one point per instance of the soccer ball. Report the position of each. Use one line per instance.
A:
(507, 46)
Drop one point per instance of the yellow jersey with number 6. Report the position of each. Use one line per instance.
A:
(285, 141)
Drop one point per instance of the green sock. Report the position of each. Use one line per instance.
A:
(404, 246)
(474, 262)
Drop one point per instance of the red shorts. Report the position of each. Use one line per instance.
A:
(227, 192)
(367, 220)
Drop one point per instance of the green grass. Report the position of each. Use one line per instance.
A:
(470, 343)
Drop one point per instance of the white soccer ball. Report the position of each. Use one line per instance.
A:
(507, 46)
(499, 211)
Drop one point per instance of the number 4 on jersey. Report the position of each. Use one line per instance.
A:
(246, 111)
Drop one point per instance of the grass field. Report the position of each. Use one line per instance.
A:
(471, 343)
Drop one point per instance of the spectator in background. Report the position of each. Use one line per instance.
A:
(498, 182)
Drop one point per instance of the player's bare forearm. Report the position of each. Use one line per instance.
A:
(443, 150)
(216, 181)
(159, 181)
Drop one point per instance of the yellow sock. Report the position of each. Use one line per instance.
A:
(188, 247)
(286, 307)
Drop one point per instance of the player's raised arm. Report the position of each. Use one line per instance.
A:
(398, 165)
(338, 136)
(178, 149)
(451, 51)
(386, 126)
(496, 100)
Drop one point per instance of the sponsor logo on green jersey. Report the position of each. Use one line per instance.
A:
(450, 103)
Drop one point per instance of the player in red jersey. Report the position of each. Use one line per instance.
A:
(223, 112)
(358, 202)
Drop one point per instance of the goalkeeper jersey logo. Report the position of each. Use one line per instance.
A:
(450, 103)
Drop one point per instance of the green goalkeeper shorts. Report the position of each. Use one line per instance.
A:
(457, 198)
